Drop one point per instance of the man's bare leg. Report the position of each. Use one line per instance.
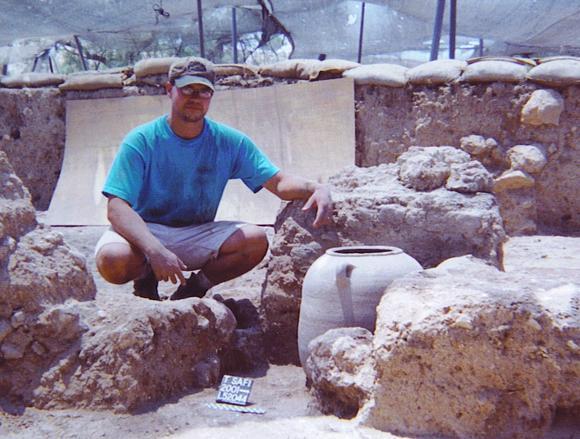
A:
(120, 263)
(241, 252)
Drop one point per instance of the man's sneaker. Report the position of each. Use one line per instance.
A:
(192, 288)
(146, 287)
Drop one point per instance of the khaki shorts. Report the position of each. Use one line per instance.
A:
(195, 245)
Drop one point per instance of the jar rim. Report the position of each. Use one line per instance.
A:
(364, 250)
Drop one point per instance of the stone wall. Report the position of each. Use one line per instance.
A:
(391, 120)
(32, 133)
(38, 274)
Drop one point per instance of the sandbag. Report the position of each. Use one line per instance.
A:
(92, 81)
(390, 75)
(153, 66)
(556, 72)
(436, 72)
(235, 69)
(285, 69)
(32, 79)
(329, 68)
(309, 69)
(500, 70)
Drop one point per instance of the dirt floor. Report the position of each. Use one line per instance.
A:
(279, 390)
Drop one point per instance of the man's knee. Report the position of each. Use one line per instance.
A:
(256, 242)
(257, 237)
(250, 241)
(118, 264)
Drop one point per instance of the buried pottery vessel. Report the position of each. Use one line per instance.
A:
(343, 287)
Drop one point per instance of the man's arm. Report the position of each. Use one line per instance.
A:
(165, 264)
(290, 187)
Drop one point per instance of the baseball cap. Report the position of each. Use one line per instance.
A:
(192, 70)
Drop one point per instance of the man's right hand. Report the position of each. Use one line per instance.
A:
(166, 265)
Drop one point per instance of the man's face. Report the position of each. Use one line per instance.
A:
(189, 103)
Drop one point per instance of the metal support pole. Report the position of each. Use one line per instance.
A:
(234, 35)
(35, 63)
(50, 64)
(361, 33)
(4, 69)
(481, 47)
(200, 23)
(437, 29)
(452, 27)
(80, 49)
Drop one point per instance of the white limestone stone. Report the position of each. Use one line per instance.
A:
(478, 145)
(465, 350)
(511, 180)
(528, 158)
(543, 108)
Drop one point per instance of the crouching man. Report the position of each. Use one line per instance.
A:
(164, 189)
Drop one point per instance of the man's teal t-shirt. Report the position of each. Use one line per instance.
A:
(177, 182)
